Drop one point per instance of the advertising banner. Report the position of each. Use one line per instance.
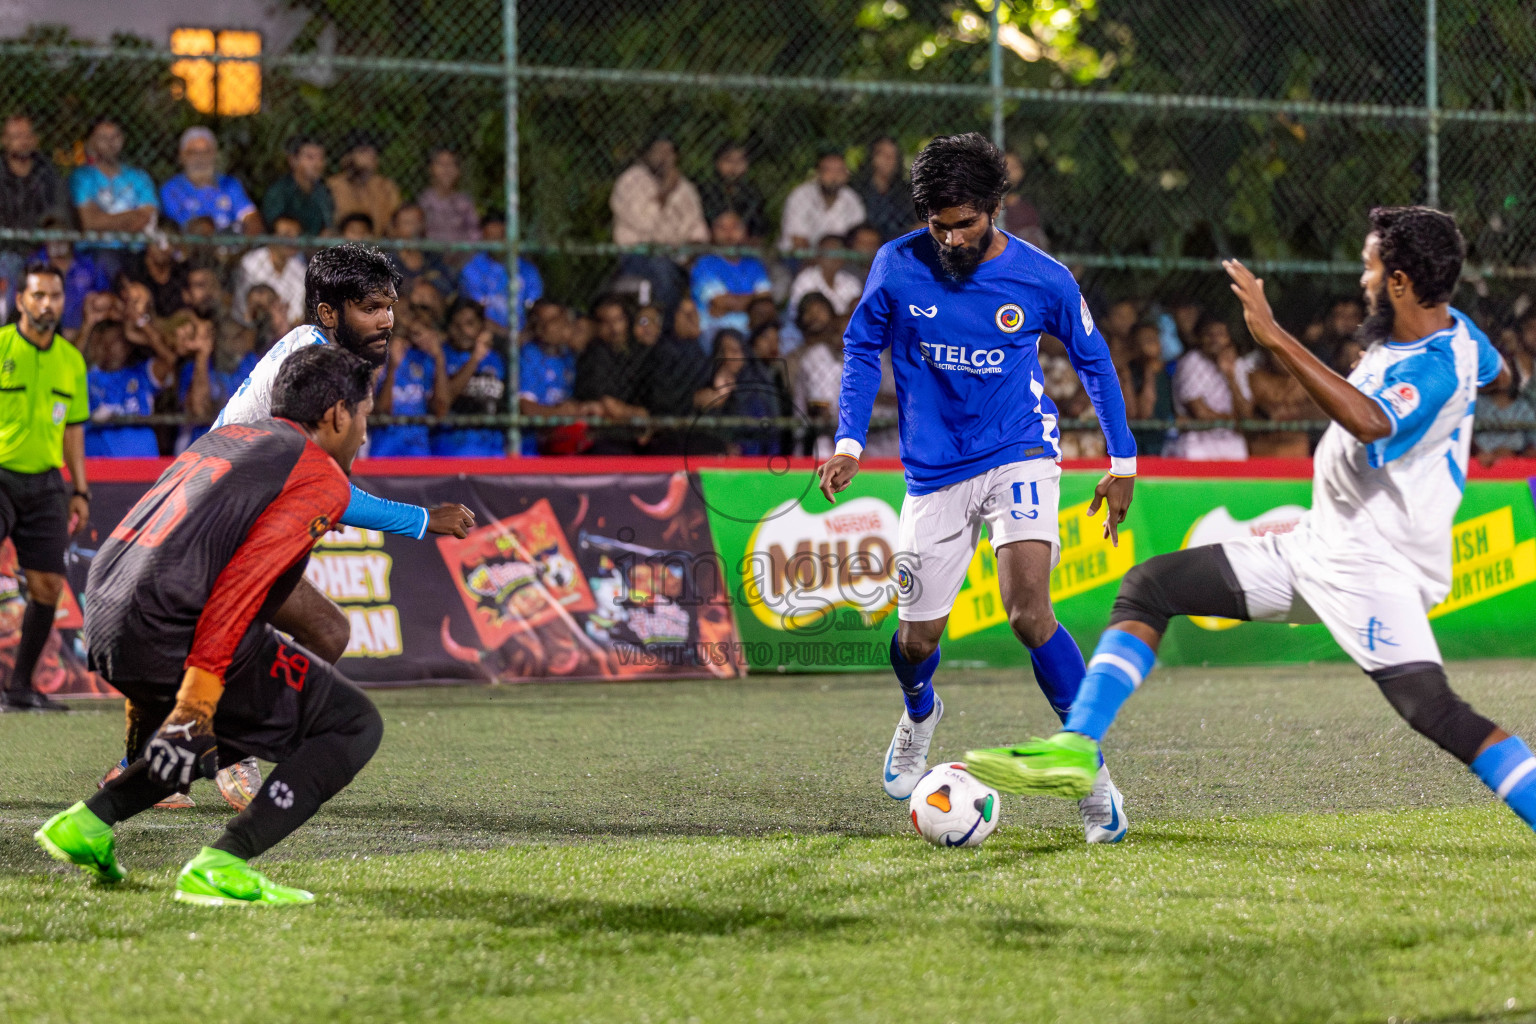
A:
(810, 596)
(574, 577)
(677, 575)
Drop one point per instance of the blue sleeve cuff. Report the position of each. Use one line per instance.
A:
(371, 512)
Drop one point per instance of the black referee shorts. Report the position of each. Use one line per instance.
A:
(34, 513)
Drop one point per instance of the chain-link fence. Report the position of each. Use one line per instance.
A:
(1150, 139)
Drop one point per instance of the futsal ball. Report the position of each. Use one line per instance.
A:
(950, 807)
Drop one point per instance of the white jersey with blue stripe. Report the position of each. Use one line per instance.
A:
(252, 400)
(1392, 502)
(969, 387)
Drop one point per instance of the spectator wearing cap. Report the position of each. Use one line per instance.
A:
(484, 278)
(359, 187)
(448, 210)
(825, 205)
(201, 191)
(30, 190)
(828, 276)
(109, 195)
(300, 194)
(280, 267)
(887, 196)
(653, 204)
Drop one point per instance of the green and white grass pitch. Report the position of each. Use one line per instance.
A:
(723, 852)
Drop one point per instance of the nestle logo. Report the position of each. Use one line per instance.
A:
(868, 522)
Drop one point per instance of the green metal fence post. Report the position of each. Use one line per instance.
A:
(1432, 103)
(514, 297)
(997, 76)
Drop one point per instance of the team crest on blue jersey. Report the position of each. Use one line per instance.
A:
(1009, 318)
(1082, 306)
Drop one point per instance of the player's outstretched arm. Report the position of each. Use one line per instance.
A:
(371, 512)
(1347, 406)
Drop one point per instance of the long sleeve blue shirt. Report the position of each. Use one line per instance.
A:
(965, 354)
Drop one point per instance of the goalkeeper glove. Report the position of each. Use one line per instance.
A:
(184, 747)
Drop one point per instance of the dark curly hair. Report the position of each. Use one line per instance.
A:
(959, 170)
(1424, 244)
(351, 272)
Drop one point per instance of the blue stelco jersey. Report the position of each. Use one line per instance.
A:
(965, 354)
(129, 391)
(412, 388)
(546, 379)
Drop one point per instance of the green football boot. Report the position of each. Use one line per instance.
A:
(217, 879)
(78, 837)
(1064, 765)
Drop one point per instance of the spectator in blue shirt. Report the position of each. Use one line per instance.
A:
(405, 389)
(546, 370)
(229, 361)
(108, 194)
(476, 384)
(119, 387)
(723, 286)
(82, 276)
(201, 191)
(484, 278)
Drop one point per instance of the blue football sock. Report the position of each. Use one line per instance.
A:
(1119, 664)
(1059, 670)
(1509, 769)
(916, 681)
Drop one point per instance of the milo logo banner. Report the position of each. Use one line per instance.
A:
(814, 584)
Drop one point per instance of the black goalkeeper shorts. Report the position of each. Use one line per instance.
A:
(274, 691)
(34, 514)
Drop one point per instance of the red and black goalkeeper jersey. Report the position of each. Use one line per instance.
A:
(214, 548)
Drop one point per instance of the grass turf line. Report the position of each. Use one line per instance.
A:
(723, 851)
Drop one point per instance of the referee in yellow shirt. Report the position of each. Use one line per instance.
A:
(43, 406)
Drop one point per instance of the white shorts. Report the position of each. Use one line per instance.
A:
(1375, 614)
(939, 531)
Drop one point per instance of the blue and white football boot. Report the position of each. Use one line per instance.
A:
(1103, 811)
(906, 759)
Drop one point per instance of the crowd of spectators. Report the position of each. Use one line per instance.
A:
(170, 323)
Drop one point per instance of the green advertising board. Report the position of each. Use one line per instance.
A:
(812, 589)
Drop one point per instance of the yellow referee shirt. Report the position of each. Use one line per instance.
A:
(41, 391)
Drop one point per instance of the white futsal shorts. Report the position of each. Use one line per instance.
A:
(939, 531)
(1374, 612)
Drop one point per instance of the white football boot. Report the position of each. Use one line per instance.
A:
(906, 759)
(1103, 811)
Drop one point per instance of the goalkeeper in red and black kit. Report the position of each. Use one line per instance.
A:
(178, 608)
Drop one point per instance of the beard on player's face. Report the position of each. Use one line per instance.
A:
(1377, 326)
(372, 346)
(961, 261)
